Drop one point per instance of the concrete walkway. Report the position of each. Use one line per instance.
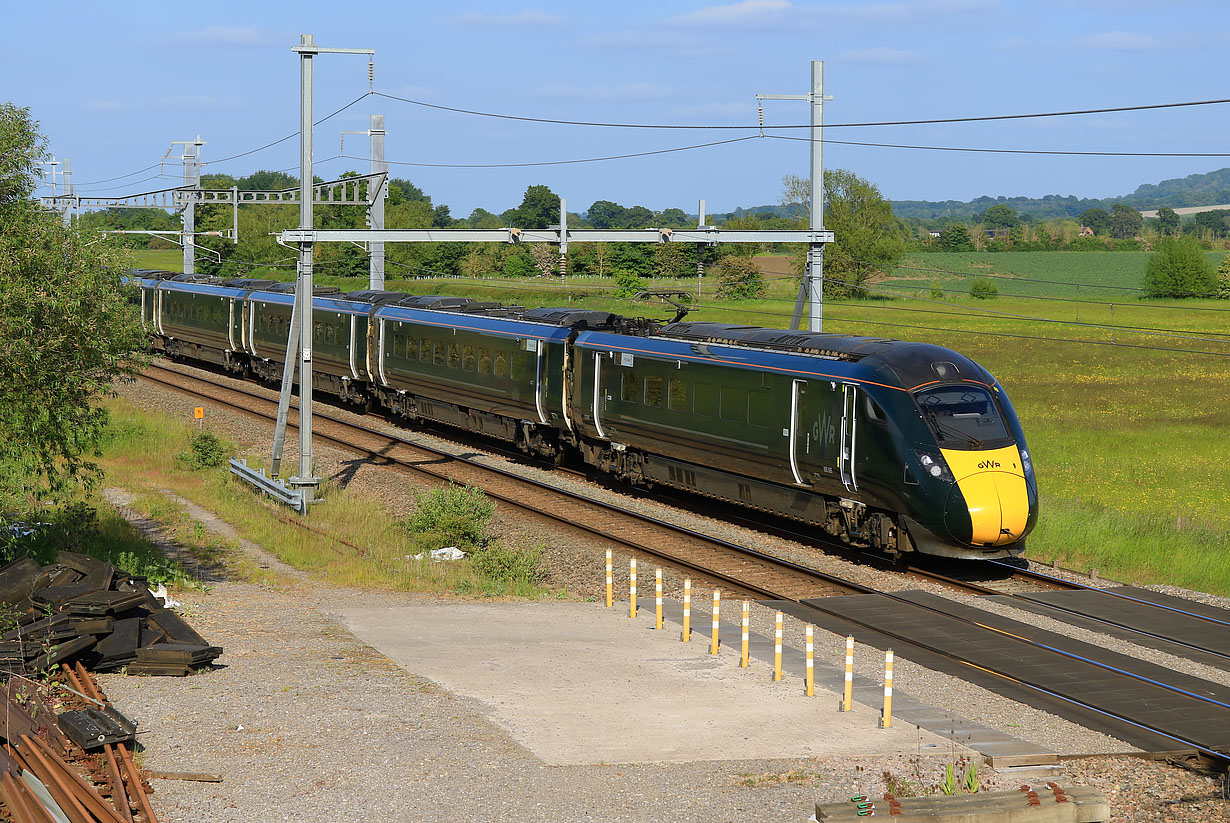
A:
(576, 684)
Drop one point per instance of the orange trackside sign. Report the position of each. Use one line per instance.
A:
(198, 413)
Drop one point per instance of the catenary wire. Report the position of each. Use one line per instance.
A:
(1055, 152)
(562, 162)
(1105, 110)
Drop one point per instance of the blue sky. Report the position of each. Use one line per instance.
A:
(113, 87)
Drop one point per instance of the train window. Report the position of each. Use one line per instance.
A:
(734, 404)
(437, 352)
(424, 350)
(520, 366)
(484, 360)
(454, 355)
(630, 387)
(653, 391)
(412, 348)
(467, 358)
(397, 345)
(962, 416)
(318, 332)
(704, 399)
(874, 412)
(677, 394)
(759, 409)
(501, 364)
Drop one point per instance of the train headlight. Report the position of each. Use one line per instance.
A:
(1027, 465)
(934, 465)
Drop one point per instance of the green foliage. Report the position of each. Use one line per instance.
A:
(506, 565)
(948, 784)
(983, 289)
(1000, 216)
(869, 240)
(67, 331)
(629, 284)
(451, 515)
(1178, 268)
(519, 264)
(1125, 221)
(207, 451)
(971, 784)
(1167, 220)
(1223, 278)
(1096, 219)
(937, 291)
(956, 238)
(739, 278)
(671, 260)
(1213, 221)
(539, 208)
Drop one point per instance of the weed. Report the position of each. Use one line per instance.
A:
(451, 515)
(505, 565)
(206, 451)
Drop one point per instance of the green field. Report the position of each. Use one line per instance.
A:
(1131, 442)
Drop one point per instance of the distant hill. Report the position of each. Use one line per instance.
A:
(1209, 189)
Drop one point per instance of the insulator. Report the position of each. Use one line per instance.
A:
(760, 116)
(371, 75)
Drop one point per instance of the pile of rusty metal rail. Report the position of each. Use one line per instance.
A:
(80, 608)
(61, 764)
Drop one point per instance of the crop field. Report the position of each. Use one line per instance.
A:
(1129, 426)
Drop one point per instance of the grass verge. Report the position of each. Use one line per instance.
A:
(141, 456)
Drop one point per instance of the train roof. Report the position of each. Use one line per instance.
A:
(836, 346)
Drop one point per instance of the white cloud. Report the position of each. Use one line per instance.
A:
(676, 43)
(881, 55)
(747, 11)
(623, 91)
(530, 18)
(1121, 40)
(223, 36)
(106, 105)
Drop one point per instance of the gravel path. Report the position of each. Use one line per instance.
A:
(425, 750)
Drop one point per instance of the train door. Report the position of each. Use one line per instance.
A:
(849, 432)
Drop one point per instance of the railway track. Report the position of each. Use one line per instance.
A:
(739, 567)
(735, 566)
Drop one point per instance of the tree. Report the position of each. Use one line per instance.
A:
(1223, 278)
(440, 218)
(1096, 219)
(739, 277)
(606, 215)
(1000, 216)
(868, 238)
(67, 332)
(670, 260)
(539, 208)
(1178, 268)
(956, 238)
(1125, 221)
(1211, 221)
(675, 219)
(1167, 220)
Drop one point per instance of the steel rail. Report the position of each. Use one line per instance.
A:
(636, 546)
(775, 563)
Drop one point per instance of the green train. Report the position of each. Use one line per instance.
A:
(896, 446)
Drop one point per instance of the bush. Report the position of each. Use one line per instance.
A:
(630, 283)
(937, 291)
(956, 238)
(503, 564)
(451, 515)
(739, 277)
(207, 451)
(1178, 268)
(983, 289)
(1223, 278)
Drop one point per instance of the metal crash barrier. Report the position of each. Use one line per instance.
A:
(277, 489)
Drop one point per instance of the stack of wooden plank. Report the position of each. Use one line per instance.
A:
(1044, 803)
(83, 609)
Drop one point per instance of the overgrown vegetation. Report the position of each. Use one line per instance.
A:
(982, 288)
(1178, 268)
(206, 452)
(740, 278)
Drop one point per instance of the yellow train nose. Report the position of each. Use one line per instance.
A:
(992, 484)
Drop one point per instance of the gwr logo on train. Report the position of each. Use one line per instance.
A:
(989, 464)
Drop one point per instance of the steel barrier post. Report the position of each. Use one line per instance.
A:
(610, 588)
(717, 605)
(810, 689)
(777, 649)
(687, 610)
(847, 701)
(743, 657)
(657, 587)
(887, 720)
(632, 588)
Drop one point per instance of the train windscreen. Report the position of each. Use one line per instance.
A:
(963, 417)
